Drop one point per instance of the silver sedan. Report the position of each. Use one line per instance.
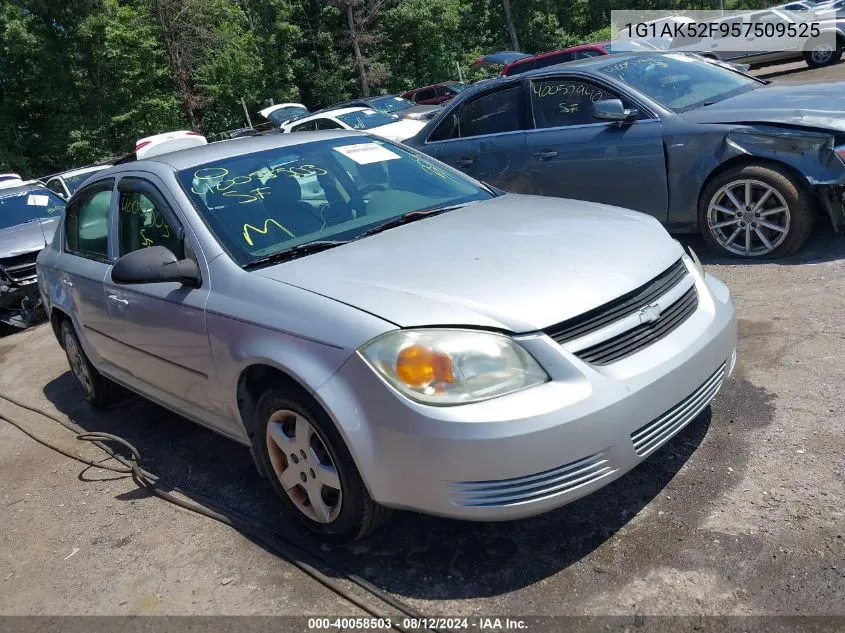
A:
(383, 331)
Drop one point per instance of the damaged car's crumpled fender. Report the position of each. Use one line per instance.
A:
(808, 152)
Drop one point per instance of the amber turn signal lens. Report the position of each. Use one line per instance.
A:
(418, 366)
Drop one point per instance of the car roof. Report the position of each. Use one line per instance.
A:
(437, 85)
(319, 114)
(191, 157)
(81, 170)
(279, 106)
(558, 51)
(18, 189)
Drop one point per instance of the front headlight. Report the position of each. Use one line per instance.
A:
(840, 151)
(449, 367)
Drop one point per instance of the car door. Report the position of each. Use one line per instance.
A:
(485, 138)
(728, 41)
(764, 44)
(160, 327)
(84, 263)
(572, 155)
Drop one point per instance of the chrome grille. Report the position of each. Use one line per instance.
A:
(619, 308)
(20, 268)
(507, 492)
(643, 335)
(653, 435)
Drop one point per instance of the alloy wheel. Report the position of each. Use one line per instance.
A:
(304, 466)
(748, 218)
(78, 366)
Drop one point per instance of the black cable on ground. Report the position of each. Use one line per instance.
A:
(275, 542)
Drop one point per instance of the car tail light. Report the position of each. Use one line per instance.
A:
(141, 146)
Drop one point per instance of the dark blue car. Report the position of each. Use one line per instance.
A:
(699, 146)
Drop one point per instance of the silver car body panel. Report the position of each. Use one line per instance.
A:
(512, 263)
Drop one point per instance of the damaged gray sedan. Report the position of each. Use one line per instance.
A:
(28, 218)
(698, 146)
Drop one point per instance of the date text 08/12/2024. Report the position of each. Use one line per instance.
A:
(436, 623)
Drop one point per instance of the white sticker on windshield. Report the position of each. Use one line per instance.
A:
(368, 111)
(38, 201)
(398, 99)
(366, 153)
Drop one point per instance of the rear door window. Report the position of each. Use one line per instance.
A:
(493, 113)
(87, 222)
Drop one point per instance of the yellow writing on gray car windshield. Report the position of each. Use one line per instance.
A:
(568, 89)
(249, 228)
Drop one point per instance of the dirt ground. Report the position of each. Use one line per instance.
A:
(741, 514)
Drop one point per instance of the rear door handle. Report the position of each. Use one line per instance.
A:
(465, 162)
(67, 282)
(117, 299)
(545, 154)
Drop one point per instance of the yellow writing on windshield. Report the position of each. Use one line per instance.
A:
(431, 168)
(215, 179)
(248, 228)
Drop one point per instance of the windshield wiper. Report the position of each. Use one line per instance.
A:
(294, 252)
(410, 216)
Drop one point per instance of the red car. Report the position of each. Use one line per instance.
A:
(541, 60)
(436, 93)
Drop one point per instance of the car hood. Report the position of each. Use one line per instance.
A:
(516, 263)
(817, 105)
(26, 238)
(400, 130)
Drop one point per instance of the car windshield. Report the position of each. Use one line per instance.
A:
(262, 204)
(367, 119)
(679, 82)
(73, 182)
(19, 206)
(281, 115)
(391, 104)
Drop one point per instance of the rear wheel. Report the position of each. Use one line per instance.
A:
(312, 470)
(98, 390)
(756, 211)
(823, 52)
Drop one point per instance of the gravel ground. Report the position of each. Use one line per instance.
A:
(741, 514)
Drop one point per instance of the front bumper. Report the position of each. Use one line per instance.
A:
(541, 448)
(20, 305)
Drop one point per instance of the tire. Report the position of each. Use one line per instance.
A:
(98, 390)
(344, 517)
(823, 57)
(786, 192)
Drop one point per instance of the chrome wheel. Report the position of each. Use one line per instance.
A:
(821, 54)
(748, 218)
(78, 366)
(304, 466)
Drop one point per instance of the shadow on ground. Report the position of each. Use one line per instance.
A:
(413, 555)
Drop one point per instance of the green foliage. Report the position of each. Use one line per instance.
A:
(82, 80)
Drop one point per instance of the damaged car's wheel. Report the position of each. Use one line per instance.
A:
(98, 390)
(756, 211)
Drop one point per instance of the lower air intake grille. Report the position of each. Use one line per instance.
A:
(653, 435)
(507, 492)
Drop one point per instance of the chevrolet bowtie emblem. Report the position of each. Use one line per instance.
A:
(650, 313)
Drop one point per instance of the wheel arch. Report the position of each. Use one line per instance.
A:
(742, 161)
(57, 316)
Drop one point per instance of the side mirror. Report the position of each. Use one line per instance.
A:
(155, 264)
(612, 110)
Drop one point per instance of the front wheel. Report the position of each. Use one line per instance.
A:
(312, 470)
(756, 211)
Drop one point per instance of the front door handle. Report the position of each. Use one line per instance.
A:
(465, 162)
(117, 299)
(67, 282)
(545, 154)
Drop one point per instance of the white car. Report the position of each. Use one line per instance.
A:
(10, 180)
(65, 183)
(167, 142)
(281, 113)
(386, 125)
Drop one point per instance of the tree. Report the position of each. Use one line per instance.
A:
(506, 7)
